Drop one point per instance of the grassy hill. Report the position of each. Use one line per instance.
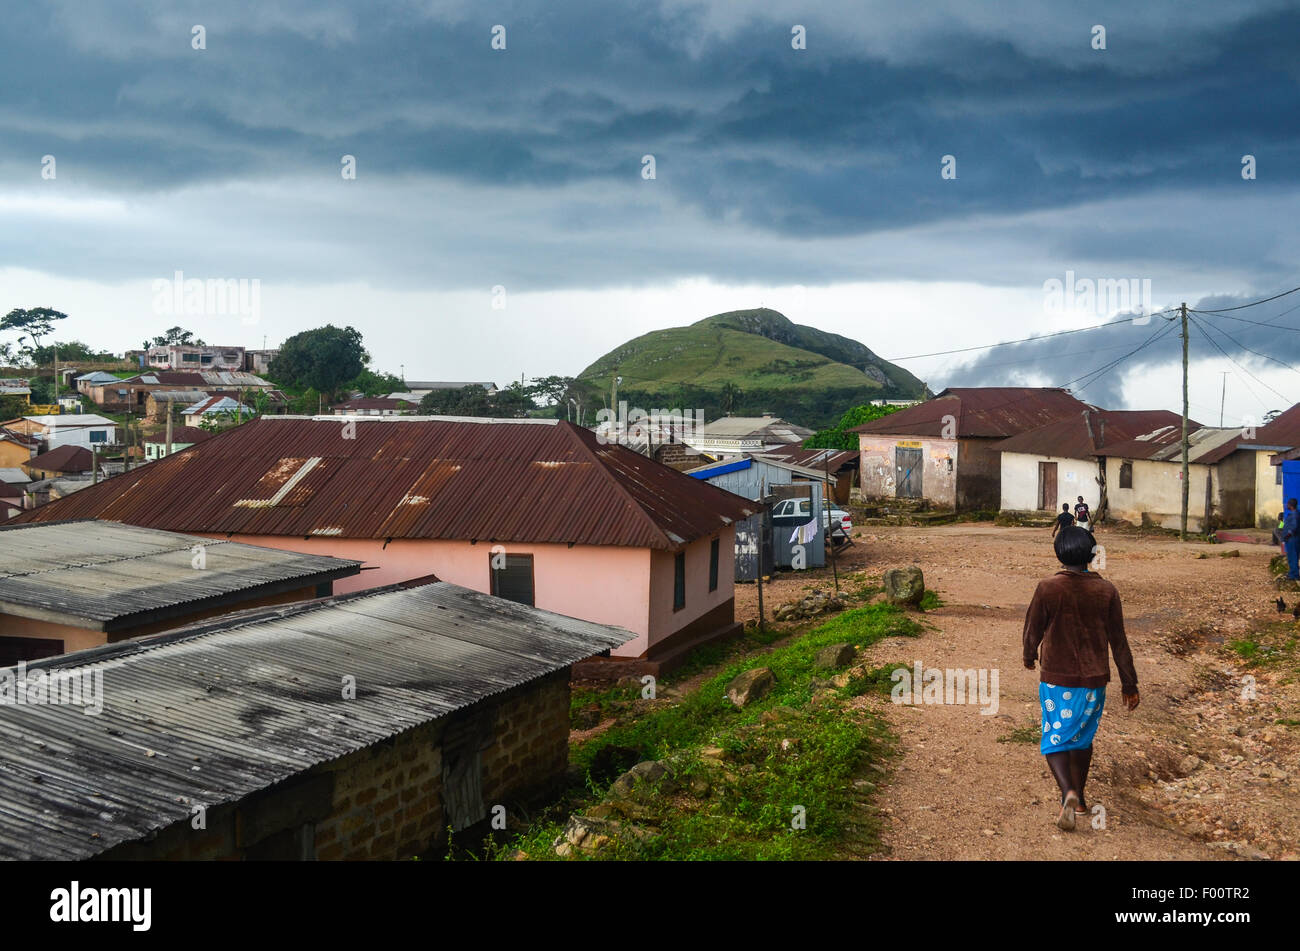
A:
(750, 362)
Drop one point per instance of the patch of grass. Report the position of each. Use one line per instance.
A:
(877, 680)
(609, 700)
(799, 761)
(1274, 646)
(930, 600)
(1287, 722)
(1022, 734)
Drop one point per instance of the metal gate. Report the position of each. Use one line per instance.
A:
(907, 473)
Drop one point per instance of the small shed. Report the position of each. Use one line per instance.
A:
(765, 479)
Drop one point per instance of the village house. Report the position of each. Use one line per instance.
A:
(735, 435)
(65, 460)
(75, 429)
(16, 386)
(16, 447)
(130, 395)
(944, 451)
(216, 407)
(259, 361)
(1260, 444)
(374, 406)
(536, 511)
(1045, 467)
(155, 447)
(1144, 479)
(80, 584)
(363, 726)
(157, 403)
(184, 356)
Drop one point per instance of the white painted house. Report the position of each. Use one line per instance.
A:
(87, 430)
(1054, 464)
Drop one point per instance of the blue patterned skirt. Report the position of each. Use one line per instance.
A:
(1071, 716)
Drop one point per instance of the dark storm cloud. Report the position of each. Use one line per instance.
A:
(834, 140)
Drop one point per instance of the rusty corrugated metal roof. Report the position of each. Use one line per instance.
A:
(1081, 436)
(412, 477)
(979, 411)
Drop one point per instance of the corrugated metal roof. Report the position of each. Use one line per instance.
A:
(212, 715)
(820, 459)
(739, 427)
(1282, 433)
(987, 412)
(198, 378)
(413, 477)
(1165, 444)
(71, 419)
(105, 576)
(65, 458)
(1081, 436)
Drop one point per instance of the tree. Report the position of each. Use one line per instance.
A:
(175, 336)
(731, 397)
(839, 436)
(324, 359)
(35, 323)
(474, 400)
(377, 384)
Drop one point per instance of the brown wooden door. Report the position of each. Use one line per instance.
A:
(1047, 486)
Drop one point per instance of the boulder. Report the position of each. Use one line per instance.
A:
(833, 656)
(750, 686)
(646, 774)
(904, 585)
(585, 834)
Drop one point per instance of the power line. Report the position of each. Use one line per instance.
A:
(1201, 327)
(1007, 343)
(1251, 304)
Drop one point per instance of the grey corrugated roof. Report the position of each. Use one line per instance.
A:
(106, 576)
(209, 716)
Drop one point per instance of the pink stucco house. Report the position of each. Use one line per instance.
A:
(536, 511)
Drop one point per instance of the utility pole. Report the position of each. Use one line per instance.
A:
(1182, 531)
(1223, 396)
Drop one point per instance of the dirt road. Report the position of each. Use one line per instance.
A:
(1201, 770)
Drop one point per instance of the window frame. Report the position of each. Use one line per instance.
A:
(679, 581)
(715, 549)
(1126, 474)
(532, 577)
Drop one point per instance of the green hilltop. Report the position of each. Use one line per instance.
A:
(749, 362)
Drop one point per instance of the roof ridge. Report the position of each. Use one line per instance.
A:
(609, 476)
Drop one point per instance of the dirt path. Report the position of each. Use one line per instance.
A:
(1197, 772)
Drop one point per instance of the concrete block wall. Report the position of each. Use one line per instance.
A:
(383, 802)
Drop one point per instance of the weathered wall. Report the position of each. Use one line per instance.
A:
(1020, 481)
(1235, 486)
(979, 475)
(939, 467)
(383, 802)
(1268, 491)
(1157, 493)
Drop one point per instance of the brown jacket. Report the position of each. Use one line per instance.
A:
(1073, 618)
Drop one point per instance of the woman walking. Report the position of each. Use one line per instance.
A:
(1074, 623)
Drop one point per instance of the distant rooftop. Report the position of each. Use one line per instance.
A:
(106, 576)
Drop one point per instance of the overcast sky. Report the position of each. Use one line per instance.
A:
(808, 180)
